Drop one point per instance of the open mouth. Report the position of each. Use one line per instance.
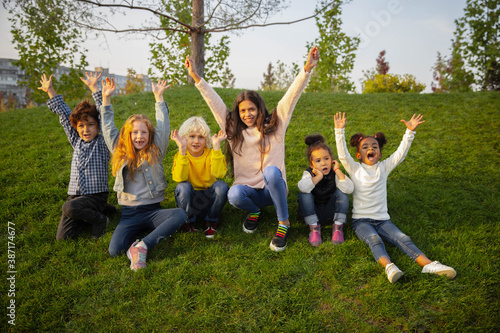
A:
(370, 156)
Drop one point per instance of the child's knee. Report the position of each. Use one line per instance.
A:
(220, 188)
(69, 208)
(271, 173)
(183, 188)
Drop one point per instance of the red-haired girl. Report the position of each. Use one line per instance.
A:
(138, 152)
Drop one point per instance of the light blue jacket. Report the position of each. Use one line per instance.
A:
(155, 174)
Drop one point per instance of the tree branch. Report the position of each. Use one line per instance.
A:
(132, 7)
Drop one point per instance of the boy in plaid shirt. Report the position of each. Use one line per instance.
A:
(88, 187)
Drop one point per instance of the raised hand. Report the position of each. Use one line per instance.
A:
(190, 66)
(47, 86)
(413, 123)
(108, 87)
(217, 139)
(312, 59)
(92, 80)
(179, 140)
(339, 119)
(159, 88)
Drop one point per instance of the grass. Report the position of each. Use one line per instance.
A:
(445, 195)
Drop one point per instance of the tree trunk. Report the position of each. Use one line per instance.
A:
(198, 38)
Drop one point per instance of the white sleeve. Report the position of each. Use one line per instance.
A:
(305, 184)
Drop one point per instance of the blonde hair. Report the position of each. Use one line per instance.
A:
(199, 125)
(125, 152)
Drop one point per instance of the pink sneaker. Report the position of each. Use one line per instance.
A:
(338, 234)
(315, 235)
(137, 256)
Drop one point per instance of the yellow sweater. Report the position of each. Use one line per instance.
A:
(201, 171)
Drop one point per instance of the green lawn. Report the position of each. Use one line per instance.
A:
(445, 195)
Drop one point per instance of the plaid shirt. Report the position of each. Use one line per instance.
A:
(89, 165)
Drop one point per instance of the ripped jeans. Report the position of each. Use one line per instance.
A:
(372, 232)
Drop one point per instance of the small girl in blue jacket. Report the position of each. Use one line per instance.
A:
(138, 152)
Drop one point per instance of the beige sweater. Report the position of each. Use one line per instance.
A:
(247, 166)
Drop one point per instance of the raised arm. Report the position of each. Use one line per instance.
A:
(189, 64)
(158, 90)
(109, 130)
(215, 103)
(312, 59)
(345, 158)
(287, 103)
(162, 116)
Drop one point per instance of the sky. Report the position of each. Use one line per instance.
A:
(411, 32)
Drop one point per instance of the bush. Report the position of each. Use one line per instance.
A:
(393, 83)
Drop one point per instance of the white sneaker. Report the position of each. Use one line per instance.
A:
(436, 267)
(393, 272)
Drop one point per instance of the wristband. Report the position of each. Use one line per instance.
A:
(334, 170)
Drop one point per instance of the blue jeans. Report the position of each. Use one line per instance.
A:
(206, 204)
(372, 232)
(336, 208)
(137, 219)
(252, 200)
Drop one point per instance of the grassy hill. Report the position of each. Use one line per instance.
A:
(445, 195)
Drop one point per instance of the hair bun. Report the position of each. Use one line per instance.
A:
(313, 138)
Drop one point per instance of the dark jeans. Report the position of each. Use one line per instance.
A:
(206, 204)
(137, 219)
(335, 209)
(81, 212)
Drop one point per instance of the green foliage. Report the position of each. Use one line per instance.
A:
(393, 83)
(450, 75)
(444, 196)
(134, 83)
(337, 52)
(279, 78)
(166, 56)
(478, 41)
(45, 39)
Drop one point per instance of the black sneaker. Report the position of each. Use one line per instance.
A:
(279, 240)
(251, 222)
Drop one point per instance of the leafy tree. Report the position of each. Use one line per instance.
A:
(45, 40)
(336, 49)
(3, 108)
(134, 83)
(450, 75)
(389, 83)
(382, 65)
(269, 82)
(186, 20)
(477, 35)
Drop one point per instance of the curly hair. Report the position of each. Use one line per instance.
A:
(196, 124)
(82, 111)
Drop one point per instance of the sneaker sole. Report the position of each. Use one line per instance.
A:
(396, 277)
(275, 248)
(248, 231)
(209, 236)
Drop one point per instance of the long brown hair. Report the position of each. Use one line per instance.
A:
(266, 123)
(125, 152)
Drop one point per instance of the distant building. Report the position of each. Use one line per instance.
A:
(10, 74)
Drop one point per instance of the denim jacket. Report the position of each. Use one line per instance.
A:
(155, 174)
